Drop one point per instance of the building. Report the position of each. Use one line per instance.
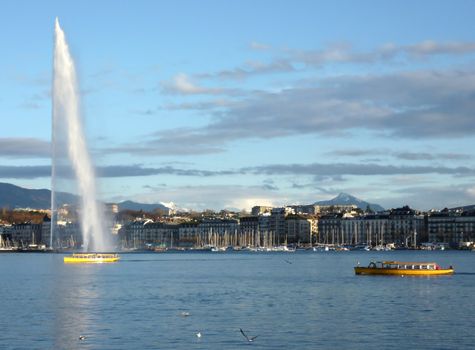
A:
(406, 227)
(260, 209)
(299, 229)
(26, 233)
(451, 227)
(278, 226)
(218, 232)
(188, 234)
(402, 226)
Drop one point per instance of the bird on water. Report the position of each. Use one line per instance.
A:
(249, 339)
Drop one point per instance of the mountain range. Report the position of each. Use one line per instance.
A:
(347, 199)
(12, 197)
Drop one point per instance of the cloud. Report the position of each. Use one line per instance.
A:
(24, 147)
(416, 156)
(345, 53)
(110, 171)
(179, 141)
(251, 68)
(24, 172)
(183, 85)
(259, 46)
(432, 156)
(431, 47)
(199, 106)
(406, 105)
(339, 53)
(433, 197)
(329, 169)
(139, 170)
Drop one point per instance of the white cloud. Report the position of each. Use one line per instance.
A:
(182, 84)
(471, 192)
(259, 46)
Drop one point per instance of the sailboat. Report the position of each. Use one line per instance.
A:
(5, 245)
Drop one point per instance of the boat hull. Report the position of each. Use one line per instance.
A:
(359, 270)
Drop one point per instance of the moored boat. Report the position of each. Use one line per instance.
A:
(400, 268)
(91, 258)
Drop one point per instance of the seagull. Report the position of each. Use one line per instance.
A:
(82, 337)
(185, 314)
(198, 334)
(249, 339)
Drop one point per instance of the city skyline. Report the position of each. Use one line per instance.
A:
(230, 105)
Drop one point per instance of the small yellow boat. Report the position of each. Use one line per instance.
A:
(400, 268)
(91, 258)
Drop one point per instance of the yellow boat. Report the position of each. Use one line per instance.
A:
(400, 268)
(91, 258)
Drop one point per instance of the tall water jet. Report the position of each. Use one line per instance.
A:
(69, 146)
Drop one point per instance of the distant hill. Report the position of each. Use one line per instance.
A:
(130, 205)
(465, 208)
(347, 199)
(12, 197)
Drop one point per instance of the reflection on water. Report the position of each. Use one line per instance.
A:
(77, 296)
(316, 302)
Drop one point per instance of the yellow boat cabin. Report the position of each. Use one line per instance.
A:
(94, 258)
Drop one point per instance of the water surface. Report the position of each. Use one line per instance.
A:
(302, 300)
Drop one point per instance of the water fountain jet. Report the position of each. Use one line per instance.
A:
(67, 126)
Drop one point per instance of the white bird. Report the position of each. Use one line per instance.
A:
(249, 339)
(185, 314)
(82, 337)
(198, 334)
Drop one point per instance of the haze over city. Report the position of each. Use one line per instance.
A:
(228, 105)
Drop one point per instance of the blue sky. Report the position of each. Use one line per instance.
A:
(215, 104)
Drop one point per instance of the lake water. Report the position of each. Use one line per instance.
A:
(303, 300)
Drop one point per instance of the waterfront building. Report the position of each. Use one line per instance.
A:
(218, 232)
(26, 233)
(406, 227)
(188, 235)
(451, 227)
(5, 233)
(160, 234)
(46, 231)
(402, 226)
(249, 231)
(278, 225)
(67, 235)
(132, 234)
(329, 228)
(260, 209)
(299, 229)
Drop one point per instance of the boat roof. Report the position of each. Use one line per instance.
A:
(407, 262)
